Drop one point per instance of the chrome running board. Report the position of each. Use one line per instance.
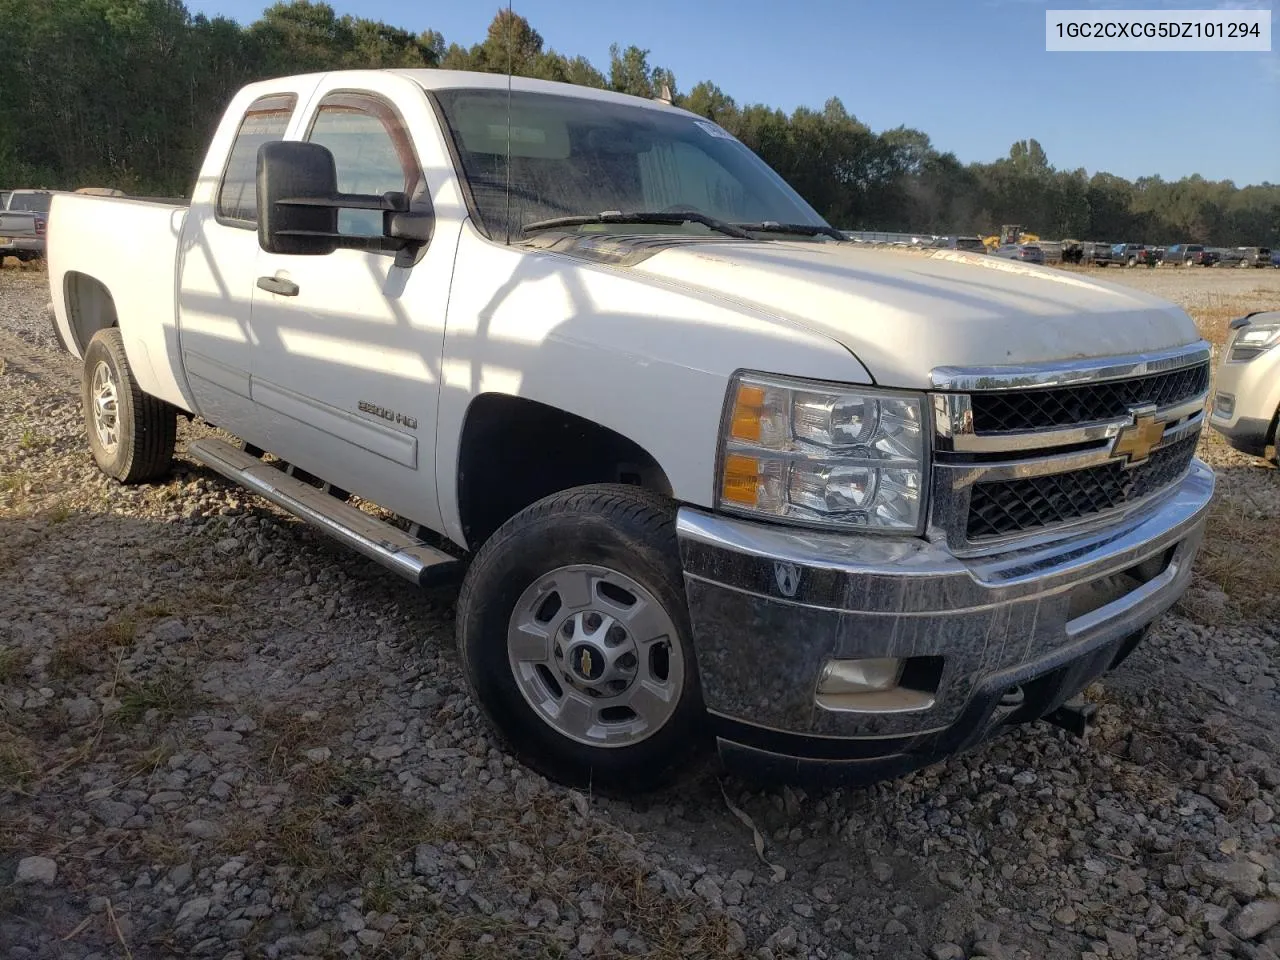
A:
(378, 540)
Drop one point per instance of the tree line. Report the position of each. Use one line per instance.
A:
(125, 93)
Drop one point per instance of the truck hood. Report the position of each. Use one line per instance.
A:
(903, 313)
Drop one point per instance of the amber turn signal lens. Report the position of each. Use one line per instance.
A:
(747, 410)
(741, 479)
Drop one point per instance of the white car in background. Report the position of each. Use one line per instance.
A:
(1246, 399)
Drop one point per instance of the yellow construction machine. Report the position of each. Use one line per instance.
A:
(1010, 233)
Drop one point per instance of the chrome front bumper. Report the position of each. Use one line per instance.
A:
(770, 605)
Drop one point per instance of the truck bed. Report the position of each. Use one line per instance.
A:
(113, 257)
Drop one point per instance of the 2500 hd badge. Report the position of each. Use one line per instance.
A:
(385, 414)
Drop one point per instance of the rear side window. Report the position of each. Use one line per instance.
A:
(264, 122)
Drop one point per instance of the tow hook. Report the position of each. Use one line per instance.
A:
(1074, 716)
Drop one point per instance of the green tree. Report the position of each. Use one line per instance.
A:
(125, 93)
(629, 72)
(708, 100)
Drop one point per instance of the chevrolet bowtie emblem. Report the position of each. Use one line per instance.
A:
(584, 662)
(1136, 440)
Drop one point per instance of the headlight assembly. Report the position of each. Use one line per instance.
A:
(1252, 340)
(823, 455)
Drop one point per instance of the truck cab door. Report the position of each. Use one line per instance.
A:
(346, 371)
(218, 262)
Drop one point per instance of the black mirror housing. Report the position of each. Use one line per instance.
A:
(294, 170)
(298, 204)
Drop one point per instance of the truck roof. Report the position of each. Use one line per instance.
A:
(431, 79)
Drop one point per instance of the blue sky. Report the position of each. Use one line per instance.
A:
(972, 74)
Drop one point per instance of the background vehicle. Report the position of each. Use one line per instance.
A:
(971, 244)
(1246, 398)
(22, 224)
(1255, 256)
(4, 198)
(1129, 254)
(1051, 251)
(1029, 253)
(30, 201)
(798, 529)
(1275, 258)
(1073, 251)
(1098, 253)
(1228, 257)
(1190, 255)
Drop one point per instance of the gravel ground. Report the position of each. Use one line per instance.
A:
(222, 736)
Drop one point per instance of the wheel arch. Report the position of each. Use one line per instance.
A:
(514, 451)
(90, 308)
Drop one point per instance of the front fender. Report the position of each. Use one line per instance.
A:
(646, 358)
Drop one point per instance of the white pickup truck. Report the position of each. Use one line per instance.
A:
(712, 474)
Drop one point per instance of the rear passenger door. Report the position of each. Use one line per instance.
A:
(347, 367)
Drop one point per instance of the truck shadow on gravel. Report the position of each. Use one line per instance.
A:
(226, 731)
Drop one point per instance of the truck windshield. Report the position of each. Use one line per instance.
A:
(579, 157)
(37, 202)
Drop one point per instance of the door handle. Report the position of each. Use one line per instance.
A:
(286, 288)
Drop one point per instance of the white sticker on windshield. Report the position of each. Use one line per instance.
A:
(714, 130)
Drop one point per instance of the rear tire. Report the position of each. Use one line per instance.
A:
(131, 433)
(575, 639)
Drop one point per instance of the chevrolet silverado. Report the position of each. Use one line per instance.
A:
(708, 472)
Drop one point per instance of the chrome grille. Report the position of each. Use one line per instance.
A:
(1012, 410)
(1021, 450)
(1001, 508)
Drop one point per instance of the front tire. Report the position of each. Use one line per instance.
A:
(131, 433)
(575, 639)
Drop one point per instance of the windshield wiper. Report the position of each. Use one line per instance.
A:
(616, 216)
(803, 229)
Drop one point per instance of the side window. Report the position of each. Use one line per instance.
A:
(371, 151)
(264, 121)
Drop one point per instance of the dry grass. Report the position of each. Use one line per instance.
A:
(157, 610)
(1212, 321)
(341, 832)
(59, 512)
(19, 759)
(284, 734)
(1214, 310)
(13, 660)
(31, 439)
(1241, 555)
(170, 693)
(83, 653)
(13, 488)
